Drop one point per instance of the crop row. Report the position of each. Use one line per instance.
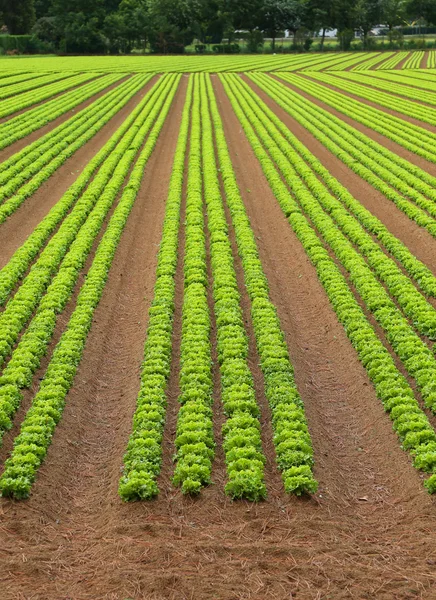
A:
(431, 60)
(410, 422)
(19, 161)
(171, 64)
(422, 365)
(143, 457)
(55, 152)
(414, 60)
(353, 60)
(392, 62)
(425, 114)
(32, 346)
(416, 178)
(413, 138)
(22, 101)
(377, 77)
(372, 62)
(11, 79)
(421, 274)
(37, 429)
(22, 258)
(291, 436)
(405, 175)
(328, 62)
(241, 431)
(194, 434)
(398, 90)
(383, 169)
(18, 127)
(32, 84)
(422, 75)
(413, 304)
(20, 308)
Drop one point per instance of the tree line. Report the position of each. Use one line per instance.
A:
(165, 26)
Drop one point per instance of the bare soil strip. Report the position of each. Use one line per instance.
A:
(15, 230)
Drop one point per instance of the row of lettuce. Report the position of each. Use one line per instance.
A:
(24, 173)
(48, 286)
(16, 127)
(349, 247)
(418, 140)
(408, 186)
(208, 168)
(318, 220)
(22, 101)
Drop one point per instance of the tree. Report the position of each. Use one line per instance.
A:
(18, 15)
(173, 24)
(320, 16)
(242, 14)
(367, 14)
(393, 12)
(295, 15)
(43, 8)
(134, 17)
(276, 15)
(422, 9)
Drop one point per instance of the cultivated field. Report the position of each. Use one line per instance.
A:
(217, 325)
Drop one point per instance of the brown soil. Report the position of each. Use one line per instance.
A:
(378, 137)
(15, 230)
(367, 533)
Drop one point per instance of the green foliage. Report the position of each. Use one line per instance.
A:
(18, 15)
(242, 428)
(48, 404)
(410, 422)
(280, 388)
(16, 128)
(194, 422)
(27, 170)
(144, 453)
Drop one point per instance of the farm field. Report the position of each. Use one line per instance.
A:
(217, 326)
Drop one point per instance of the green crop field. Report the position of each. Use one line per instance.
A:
(217, 325)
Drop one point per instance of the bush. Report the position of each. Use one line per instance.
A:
(307, 44)
(345, 37)
(17, 44)
(254, 41)
(226, 48)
